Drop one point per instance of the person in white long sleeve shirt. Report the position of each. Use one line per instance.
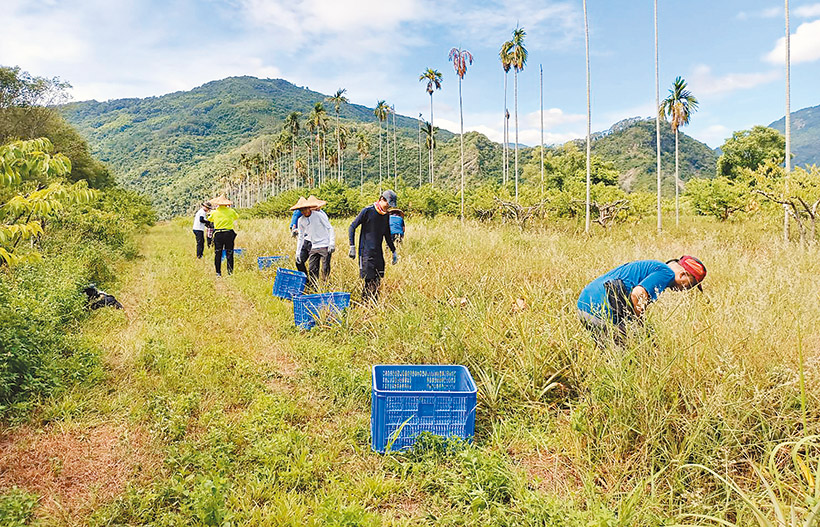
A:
(200, 225)
(316, 239)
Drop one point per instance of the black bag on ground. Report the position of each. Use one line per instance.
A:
(620, 305)
(98, 298)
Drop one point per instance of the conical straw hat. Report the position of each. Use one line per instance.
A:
(300, 204)
(315, 202)
(221, 200)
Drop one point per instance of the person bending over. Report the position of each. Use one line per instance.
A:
(610, 301)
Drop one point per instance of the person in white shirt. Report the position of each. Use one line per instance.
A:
(200, 225)
(316, 239)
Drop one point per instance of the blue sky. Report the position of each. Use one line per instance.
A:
(730, 52)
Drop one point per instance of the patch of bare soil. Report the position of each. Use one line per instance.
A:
(550, 472)
(73, 470)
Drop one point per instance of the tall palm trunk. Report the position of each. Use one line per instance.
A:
(361, 175)
(461, 120)
(380, 155)
(395, 153)
(504, 146)
(589, 120)
(293, 157)
(432, 142)
(515, 73)
(677, 181)
(338, 147)
(387, 154)
(657, 116)
(541, 68)
(788, 125)
(421, 181)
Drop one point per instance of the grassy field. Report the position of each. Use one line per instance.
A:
(216, 410)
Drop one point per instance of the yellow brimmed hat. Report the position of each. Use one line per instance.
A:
(221, 200)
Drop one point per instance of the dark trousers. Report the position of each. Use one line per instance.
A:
(223, 240)
(200, 243)
(371, 288)
(302, 257)
(317, 256)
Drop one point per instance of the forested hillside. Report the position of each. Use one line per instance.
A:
(180, 147)
(631, 146)
(805, 135)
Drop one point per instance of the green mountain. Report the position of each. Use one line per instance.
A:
(181, 147)
(154, 142)
(630, 145)
(805, 135)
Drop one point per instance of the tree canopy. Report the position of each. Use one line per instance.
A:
(750, 149)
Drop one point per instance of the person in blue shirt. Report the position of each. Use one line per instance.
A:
(607, 303)
(294, 221)
(397, 225)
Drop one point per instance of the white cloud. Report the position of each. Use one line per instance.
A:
(553, 117)
(704, 82)
(804, 45)
(770, 12)
(714, 135)
(808, 11)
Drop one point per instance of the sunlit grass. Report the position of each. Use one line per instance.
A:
(256, 418)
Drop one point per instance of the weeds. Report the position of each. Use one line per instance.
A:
(260, 423)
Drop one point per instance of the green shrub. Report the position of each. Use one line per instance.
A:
(17, 507)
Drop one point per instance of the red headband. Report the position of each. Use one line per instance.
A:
(693, 266)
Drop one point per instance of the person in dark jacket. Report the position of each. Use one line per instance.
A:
(375, 227)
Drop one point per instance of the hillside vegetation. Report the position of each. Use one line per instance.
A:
(805, 135)
(631, 147)
(181, 147)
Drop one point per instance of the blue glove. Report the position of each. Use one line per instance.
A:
(395, 258)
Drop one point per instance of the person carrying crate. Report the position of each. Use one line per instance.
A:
(375, 227)
(315, 241)
(610, 301)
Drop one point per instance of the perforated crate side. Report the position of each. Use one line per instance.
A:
(308, 308)
(288, 283)
(410, 399)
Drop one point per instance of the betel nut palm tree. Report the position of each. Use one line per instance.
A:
(518, 54)
(678, 108)
(293, 126)
(506, 64)
(461, 58)
(381, 114)
(363, 148)
(657, 118)
(338, 99)
(589, 120)
(433, 79)
(429, 140)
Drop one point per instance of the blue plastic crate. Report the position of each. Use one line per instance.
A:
(410, 399)
(308, 308)
(237, 252)
(288, 283)
(266, 262)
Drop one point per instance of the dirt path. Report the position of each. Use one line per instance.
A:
(86, 459)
